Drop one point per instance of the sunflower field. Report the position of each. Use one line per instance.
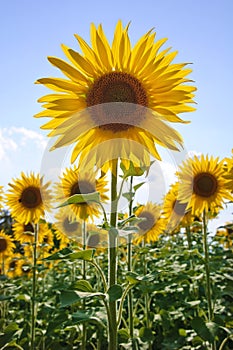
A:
(79, 272)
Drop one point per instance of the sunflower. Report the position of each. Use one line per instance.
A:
(66, 228)
(28, 198)
(116, 97)
(14, 265)
(152, 225)
(173, 209)
(6, 245)
(74, 182)
(96, 237)
(228, 167)
(202, 184)
(24, 233)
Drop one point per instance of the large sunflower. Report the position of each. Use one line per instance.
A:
(152, 226)
(202, 184)
(74, 182)
(28, 198)
(95, 107)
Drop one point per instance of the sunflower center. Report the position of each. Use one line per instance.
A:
(31, 197)
(205, 185)
(93, 240)
(124, 89)
(12, 264)
(82, 187)
(70, 226)
(179, 208)
(3, 244)
(147, 224)
(28, 228)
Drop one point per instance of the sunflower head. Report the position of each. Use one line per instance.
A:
(202, 184)
(28, 198)
(66, 227)
(119, 93)
(74, 182)
(6, 245)
(173, 209)
(152, 225)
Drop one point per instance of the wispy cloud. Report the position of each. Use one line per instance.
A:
(21, 149)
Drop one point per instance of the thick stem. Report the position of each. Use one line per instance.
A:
(33, 296)
(112, 276)
(129, 255)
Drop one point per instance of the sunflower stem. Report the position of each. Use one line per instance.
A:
(129, 255)
(207, 273)
(112, 277)
(33, 296)
(146, 298)
(84, 330)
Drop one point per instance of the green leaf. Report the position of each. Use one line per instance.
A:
(133, 170)
(201, 329)
(81, 199)
(136, 187)
(69, 297)
(81, 316)
(129, 196)
(114, 292)
(9, 331)
(5, 297)
(146, 334)
(61, 254)
(132, 278)
(82, 255)
(182, 332)
(83, 286)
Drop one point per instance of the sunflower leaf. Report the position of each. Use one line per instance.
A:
(69, 297)
(114, 292)
(81, 199)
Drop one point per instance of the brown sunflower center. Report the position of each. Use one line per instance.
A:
(13, 264)
(93, 240)
(70, 226)
(28, 228)
(31, 197)
(3, 244)
(205, 184)
(147, 224)
(82, 187)
(179, 208)
(124, 89)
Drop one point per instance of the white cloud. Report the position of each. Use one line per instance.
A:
(21, 149)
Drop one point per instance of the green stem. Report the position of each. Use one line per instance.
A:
(112, 276)
(126, 291)
(101, 274)
(207, 273)
(33, 296)
(129, 255)
(146, 298)
(207, 268)
(84, 330)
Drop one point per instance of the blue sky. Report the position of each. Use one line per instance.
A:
(200, 30)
